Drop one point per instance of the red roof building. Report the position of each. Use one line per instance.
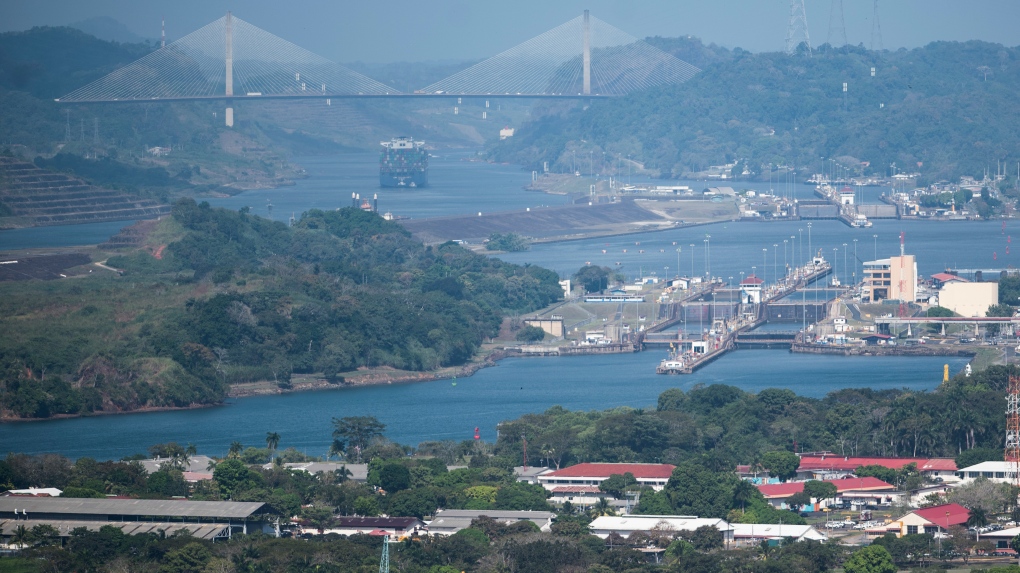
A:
(866, 491)
(933, 519)
(654, 475)
(821, 466)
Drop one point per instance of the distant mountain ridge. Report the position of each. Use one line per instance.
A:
(946, 109)
(109, 29)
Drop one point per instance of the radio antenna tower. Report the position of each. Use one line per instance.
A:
(1012, 453)
(837, 26)
(876, 30)
(798, 31)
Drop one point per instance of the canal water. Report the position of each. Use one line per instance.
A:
(451, 409)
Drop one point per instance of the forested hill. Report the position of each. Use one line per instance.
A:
(948, 105)
(218, 297)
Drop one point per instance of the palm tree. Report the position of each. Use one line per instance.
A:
(235, 449)
(743, 493)
(977, 519)
(20, 536)
(272, 440)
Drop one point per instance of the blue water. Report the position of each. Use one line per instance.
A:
(441, 410)
(450, 410)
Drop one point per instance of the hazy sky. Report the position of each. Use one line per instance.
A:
(416, 30)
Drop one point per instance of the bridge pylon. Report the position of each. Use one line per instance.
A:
(228, 40)
(586, 51)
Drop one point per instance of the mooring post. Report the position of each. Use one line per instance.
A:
(230, 70)
(587, 55)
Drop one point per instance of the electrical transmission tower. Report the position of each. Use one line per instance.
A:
(1012, 453)
(798, 31)
(384, 561)
(837, 27)
(876, 30)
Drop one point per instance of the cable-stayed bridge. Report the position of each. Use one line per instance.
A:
(230, 59)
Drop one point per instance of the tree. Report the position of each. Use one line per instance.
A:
(615, 484)
(820, 490)
(20, 536)
(235, 449)
(593, 278)
(870, 559)
(962, 541)
(975, 456)
(272, 440)
(706, 538)
(232, 476)
(781, 464)
(530, 334)
(1014, 544)
(693, 489)
(355, 432)
(799, 500)
(977, 518)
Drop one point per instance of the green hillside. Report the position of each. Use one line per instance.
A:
(948, 106)
(217, 297)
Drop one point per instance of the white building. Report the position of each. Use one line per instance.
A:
(653, 475)
(623, 526)
(1000, 472)
(752, 533)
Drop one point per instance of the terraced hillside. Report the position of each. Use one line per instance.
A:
(30, 196)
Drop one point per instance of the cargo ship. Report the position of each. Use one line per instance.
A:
(403, 163)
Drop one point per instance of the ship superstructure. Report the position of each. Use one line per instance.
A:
(403, 162)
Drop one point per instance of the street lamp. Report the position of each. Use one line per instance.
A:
(764, 266)
(800, 232)
(708, 257)
(876, 246)
(678, 262)
(775, 263)
(844, 262)
(855, 261)
(810, 252)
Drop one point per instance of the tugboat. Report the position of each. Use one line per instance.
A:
(672, 364)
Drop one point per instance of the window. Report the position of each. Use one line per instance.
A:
(911, 530)
(1000, 474)
(986, 474)
(931, 528)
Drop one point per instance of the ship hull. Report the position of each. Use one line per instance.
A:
(406, 179)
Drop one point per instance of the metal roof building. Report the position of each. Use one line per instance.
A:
(450, 521)
(207, 519)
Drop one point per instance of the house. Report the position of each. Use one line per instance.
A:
(876, 339)
(849, 491)
(625, 525)
(358, 472)
(969, 299)
(753, 533)
(653, 475)
(450, 521)
(934, 519)
(393, 526)
(940, 280)
(193, 464)
(201, 519)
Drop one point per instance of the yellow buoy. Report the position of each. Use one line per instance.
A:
(945, 373)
